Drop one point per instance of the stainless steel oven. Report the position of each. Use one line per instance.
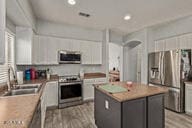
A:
(69, 57)
(70, 93)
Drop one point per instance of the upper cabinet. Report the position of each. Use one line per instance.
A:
(2, 31)
(43, 50)
(185, 41)
(159, 45)
(174, 43)
(91, 52)
(24, 46)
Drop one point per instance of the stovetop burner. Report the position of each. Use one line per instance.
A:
(69, 79)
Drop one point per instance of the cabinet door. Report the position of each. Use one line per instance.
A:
(184, 41)
(188, 99)
(134, 113)
(2, 46)
(2, 14)
(35, 50)
(171, 44)
(189, 41)
(23, 48)
(75, 45)
(96, 53)
(156, 112)
(52, 94)
(159, 45)
(52, 53)
(2, 31)
(88, 92)
(63, 44)
(43, 50)
(108, 112)
(86, 50)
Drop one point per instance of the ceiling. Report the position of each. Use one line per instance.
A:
(110, 13)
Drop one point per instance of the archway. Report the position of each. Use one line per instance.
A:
(132, 61)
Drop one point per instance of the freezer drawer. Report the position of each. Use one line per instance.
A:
(173, 100)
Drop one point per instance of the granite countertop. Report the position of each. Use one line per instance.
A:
(94, 75)
(22, 107)
(135, 91)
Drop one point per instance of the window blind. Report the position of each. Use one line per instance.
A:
(9, 57)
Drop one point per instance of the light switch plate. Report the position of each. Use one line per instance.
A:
(107, 104)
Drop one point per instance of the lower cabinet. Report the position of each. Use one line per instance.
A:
(88, 88)
(188, 98)
(49, 98)
(155, 111)
(52, 94)
(146, 112)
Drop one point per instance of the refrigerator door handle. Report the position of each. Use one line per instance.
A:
(162, 68)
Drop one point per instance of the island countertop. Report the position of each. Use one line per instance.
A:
(135, 91)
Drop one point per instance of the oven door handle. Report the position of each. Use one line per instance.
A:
(66, 84)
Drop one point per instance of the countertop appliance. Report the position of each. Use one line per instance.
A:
(70, 91)
(170, 69)
(69, 57)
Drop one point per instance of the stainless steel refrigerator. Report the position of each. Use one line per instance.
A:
(171, 69)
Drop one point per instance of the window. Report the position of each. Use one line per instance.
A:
(9, 57)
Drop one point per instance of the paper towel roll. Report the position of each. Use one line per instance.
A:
(20, 77)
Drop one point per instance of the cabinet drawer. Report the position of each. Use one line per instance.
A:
(101, 80)
(95, 81)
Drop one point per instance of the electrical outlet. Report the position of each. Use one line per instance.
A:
(107, 104)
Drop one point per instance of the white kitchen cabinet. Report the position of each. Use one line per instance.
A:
(86, 52)
(75, 45)
(43, 49)
(172, 44)
(88, 89)
(2, 30)
(2, 46)
(185, 41)
(52, 94)
(2, 14)
(96, 53)
(52, 53)
(91, 52)
(24, 46)
(188, 98)
(159, 45)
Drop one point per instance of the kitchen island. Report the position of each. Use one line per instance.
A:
(141, 106)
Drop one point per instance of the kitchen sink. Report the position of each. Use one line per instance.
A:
(24, 89)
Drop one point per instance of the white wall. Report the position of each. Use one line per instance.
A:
(68, 31)
(142, 37)
(20, 13)
(114, 56)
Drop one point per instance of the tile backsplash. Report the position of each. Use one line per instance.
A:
(64, 69)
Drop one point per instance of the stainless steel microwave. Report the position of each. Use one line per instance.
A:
(69, 57)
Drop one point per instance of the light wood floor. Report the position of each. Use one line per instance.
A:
(82, 117)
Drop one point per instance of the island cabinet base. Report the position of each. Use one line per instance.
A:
(146, 112)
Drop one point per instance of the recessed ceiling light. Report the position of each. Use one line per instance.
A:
(127, 17)
(71, 2)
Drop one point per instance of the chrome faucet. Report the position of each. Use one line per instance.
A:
(10, 86)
